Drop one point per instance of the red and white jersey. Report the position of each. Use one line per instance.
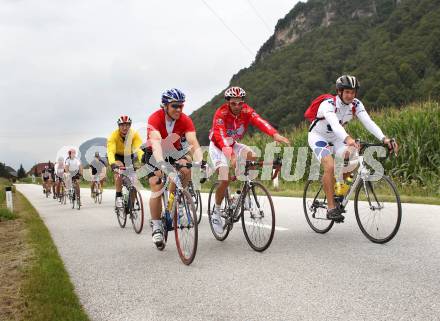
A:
(228, 128)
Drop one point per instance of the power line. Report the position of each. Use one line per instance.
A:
(259, 15)
(227, 27)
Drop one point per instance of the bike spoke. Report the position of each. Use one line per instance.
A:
(378, 210)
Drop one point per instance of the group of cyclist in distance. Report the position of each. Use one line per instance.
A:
(70, 172)
(326, 137)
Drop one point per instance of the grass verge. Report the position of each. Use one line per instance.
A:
(40, 288)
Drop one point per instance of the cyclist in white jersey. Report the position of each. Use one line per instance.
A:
(74, 170)
(59, 174)
(328, 129)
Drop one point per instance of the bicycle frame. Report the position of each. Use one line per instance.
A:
(165, 195)
(247, 186)
(362, 175)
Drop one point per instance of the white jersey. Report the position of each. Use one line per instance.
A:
(336, 116)
(73, 164)
(59, 170)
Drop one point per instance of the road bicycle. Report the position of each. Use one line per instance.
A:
(252, 204)
(377, 205)
(133, 206)
(179, 214)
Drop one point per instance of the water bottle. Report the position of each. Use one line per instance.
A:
(341, 188)
(170, 202)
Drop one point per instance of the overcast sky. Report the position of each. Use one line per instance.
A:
(68, 69)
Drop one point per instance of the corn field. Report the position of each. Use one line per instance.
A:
(417, 130)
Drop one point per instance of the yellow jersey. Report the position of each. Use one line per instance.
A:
(116, 145)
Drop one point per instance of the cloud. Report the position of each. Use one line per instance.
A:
(70, 68)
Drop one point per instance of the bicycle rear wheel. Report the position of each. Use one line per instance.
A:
(378, 209)
(258, 217)
(185, 227)
(137, 213)
(224, 210)
(315, 207)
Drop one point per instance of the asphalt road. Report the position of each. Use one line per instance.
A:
(119, 275)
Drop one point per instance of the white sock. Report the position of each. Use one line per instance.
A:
(157, 224)
(217, 206)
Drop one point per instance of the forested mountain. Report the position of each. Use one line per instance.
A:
(392, 46)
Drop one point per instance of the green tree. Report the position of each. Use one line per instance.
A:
(21, 173)
(3, 171)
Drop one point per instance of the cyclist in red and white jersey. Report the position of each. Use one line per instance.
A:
(229, 125)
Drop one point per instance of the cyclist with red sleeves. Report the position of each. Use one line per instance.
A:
(229, 125)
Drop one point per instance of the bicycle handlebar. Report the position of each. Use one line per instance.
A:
(276, 164)
(178, 166)
(364, 145)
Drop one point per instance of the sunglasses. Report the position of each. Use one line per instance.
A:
(177, 106)
(234, 104)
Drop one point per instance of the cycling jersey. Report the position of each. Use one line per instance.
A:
(333, 115)
(173, 130)
(47, 173)
(59, 170)
(228, 128)
(116, 145)
(97, 165)
(74, 165)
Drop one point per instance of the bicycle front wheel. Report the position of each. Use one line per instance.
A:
(224, 210)
(378, 209)
(198, 205)
(99, 196)
(73, 200)
(315, 207)
(258, 217)
(185, 227)
(121, 215)
(137, 213)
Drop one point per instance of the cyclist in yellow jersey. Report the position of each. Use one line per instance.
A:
(123, 149)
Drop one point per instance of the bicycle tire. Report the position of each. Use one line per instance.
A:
(320, 225)
(121, 216)
(256, 223)
(226, 227)
(359, 220)
(185, 227)
(139, 209)
(199, 208)
(99, 195)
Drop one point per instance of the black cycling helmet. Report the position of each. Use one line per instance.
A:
(347, 82)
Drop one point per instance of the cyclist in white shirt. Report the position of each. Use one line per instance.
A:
(75, 170)
(327, 135)
(59, 174)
